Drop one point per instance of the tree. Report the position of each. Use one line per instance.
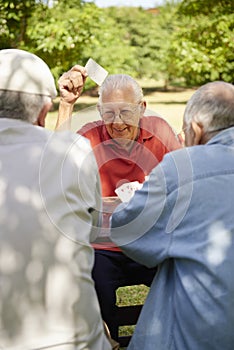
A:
(59, 34)
(14, 16)
(203, 44)
(148, 36)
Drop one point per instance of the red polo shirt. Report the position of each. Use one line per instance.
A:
(118, 165)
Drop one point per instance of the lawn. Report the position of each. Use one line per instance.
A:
(170, 105)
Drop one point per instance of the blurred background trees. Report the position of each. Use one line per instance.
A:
(203, 43)
(189, 42)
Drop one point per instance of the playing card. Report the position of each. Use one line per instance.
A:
(126, 191)
(96, 72)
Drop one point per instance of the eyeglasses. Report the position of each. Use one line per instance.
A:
(128, 114)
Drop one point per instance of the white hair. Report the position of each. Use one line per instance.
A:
(120, 81)
(212, 106)
(21, 105)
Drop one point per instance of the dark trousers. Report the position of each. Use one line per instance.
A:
(113, 270)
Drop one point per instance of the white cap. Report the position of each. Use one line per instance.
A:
(25, 72)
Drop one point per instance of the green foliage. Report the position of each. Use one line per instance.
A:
(60, 35)
(189, 40)
(109, 46)
(203, 44)
(134, 25)
(206, 7)
(14, 16)
(146, 37)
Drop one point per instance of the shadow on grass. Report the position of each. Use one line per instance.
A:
(77, 107)
(171, 102)
(153, 89)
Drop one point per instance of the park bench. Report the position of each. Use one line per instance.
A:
(127, 316)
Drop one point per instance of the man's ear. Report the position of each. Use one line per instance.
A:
(42, 115)
(198, 133)
(143, 107)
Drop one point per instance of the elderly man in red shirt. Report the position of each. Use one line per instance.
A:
(127, 146)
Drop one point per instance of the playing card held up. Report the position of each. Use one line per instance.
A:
(96, 72)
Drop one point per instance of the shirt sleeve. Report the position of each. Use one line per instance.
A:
(138, 227)
(149, 226)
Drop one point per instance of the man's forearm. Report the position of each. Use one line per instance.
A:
(64, 116)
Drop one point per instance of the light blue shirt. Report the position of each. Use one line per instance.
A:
(182, 221)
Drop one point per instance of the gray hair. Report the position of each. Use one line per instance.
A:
(21, 105)
(120, 81)
(212, 106)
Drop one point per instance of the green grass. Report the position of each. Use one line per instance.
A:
(131, 295)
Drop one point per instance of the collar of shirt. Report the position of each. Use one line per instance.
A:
(224, 137)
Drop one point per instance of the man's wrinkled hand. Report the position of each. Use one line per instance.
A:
(71, 84)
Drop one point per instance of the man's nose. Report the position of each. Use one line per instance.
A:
(117, 118)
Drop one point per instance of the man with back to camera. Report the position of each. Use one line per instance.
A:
(50, 196)
(127, 145)
(182, 221)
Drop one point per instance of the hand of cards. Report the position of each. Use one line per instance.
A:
(126, 191)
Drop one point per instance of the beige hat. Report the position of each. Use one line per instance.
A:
(23, 71)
